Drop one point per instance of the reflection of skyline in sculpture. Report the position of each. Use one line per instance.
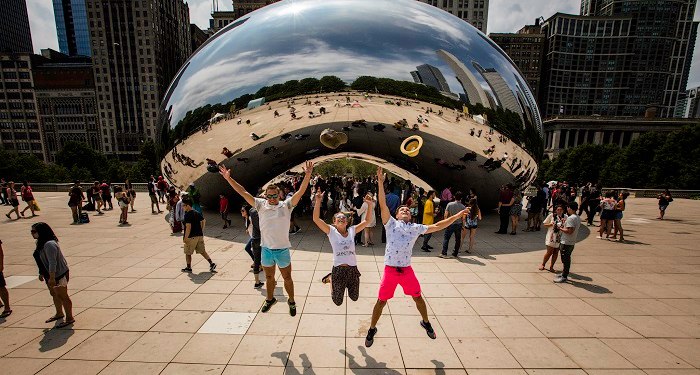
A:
(431, 76)
(472, 88)
(504, 95)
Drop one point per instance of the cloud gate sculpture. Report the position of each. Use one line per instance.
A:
(257, 96)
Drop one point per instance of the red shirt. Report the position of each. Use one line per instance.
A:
(223, 204)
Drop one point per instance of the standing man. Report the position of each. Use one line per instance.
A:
(428, 219)
(568, 240)
(505, 200)
(274, 216)
(223, 210)
(4, 294)
(194, 235)
(152, 194)
(401, 236)
(453, 208)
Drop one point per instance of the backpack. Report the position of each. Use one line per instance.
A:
(84, 218)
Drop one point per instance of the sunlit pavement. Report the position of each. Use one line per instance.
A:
(629, 308)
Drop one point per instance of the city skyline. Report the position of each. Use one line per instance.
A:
(504, 16)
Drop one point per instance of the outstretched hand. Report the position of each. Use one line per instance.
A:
(225, 172)
(380, 175)
(319, 195)
(368, 199)
(308, 168)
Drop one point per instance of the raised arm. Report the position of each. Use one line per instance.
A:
(365, 219)
(381, 196)
(308, 169)
(226, 173)
(442, 224)
(317, 213)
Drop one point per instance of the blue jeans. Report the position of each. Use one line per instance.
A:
(457, 231)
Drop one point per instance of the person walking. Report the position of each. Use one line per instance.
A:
(123, 204)
(131, 193)
(180, 211)
(53, 269)
(516, 209)
(593, 202)
(194, 236)
(534, 210)
(4, 293)
(75, 201)
(223, 210)
(152, 194)
(471, 223)
(3, 193)
(553, 222)
(195, 195)
(505, 200)
(94, 191)
(607, 214)
(401, 236)
(568, 240)
(252, 226)
(28, 197)
(173, 200)
(453, 208)
(664, 198)
(162, 186)
(106, 189)
(12, 198)
(428, 219)
(344, 274)
(619, 209)
(274, 216)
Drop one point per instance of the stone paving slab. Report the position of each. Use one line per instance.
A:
(630, 308)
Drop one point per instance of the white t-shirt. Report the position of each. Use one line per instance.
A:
(400, 237)
(274, 223)
(372, 217)
(343, 247)
(572, 221)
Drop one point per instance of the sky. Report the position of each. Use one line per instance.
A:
(504, 16)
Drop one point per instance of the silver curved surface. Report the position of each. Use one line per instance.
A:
(283, 52)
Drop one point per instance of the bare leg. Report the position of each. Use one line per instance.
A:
(420, 304)
(547, 255)
(270, 278)
(56, 302)
(472, 239)
(555, 254)
(66, 302)
(464, 234)
(288, 282)
(377, 312)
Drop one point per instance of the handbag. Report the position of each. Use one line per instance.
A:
(35, 206)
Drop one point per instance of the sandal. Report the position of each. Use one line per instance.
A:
(326, 279)
(541, 268)
(54, 318)
(66, 323)
(5, 314)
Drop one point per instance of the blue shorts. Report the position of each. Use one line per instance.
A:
(280, 257)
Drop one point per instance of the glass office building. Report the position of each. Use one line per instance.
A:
(72, 27)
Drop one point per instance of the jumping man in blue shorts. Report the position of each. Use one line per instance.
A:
(274, 216)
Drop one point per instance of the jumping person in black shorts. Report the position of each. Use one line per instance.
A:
(345, 274)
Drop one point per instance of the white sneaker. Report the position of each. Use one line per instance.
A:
(560, 279)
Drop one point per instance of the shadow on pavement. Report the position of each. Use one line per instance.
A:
(379, 367)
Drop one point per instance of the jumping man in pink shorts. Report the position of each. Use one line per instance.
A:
(401, 235)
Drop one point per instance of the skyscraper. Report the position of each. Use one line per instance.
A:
(470, 84)
(19, 126)
(476, 12)
(243, 7)
(430, 76)
(526, 49)
(15, 35)
(72, 27)
(138, 47)
(618, 58)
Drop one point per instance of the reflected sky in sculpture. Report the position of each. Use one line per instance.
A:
(295, 39)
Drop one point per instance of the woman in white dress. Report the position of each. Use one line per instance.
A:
(368, 231)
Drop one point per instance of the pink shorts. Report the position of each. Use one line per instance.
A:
(403, 276)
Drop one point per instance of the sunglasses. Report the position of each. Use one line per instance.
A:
(272, 196)
(341, 218)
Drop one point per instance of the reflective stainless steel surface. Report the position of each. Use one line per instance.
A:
(357, 60)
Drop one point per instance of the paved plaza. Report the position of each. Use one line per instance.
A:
(629, 309)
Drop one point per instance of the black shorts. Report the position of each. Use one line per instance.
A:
(2, 280)
(14, 202)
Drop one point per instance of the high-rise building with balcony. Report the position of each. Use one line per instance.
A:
(138, 47)
(526, 49)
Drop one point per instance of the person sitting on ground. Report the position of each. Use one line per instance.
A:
(344, 274)
(226, 152)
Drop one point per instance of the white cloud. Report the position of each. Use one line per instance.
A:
(504, 16)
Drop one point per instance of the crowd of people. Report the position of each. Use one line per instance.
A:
(407, 212)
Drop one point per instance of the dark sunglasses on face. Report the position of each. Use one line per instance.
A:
(272, 196)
